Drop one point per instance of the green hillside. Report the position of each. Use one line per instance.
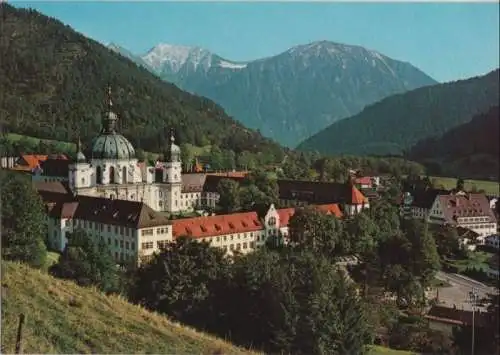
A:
(53, 84)
(398, 122)
(65, 318)
(469, 150)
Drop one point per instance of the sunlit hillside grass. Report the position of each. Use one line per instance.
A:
(62, 317)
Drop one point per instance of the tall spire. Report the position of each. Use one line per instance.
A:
(172, 136)
(80, 157)
(109, 124)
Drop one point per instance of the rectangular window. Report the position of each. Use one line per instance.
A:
(133, 245)
(147, 245)
(121, 243)
(126, 245)
(116, 230)
(244, 245)
(121, 231)
(109, 228)
(109, 241)
(231, 247)
(116, 242)
(147, 232)
(238, 246)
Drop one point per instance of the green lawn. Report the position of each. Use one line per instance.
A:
(490, 187)
(381, 350)
(68, 146)
(476, 260)
(13, 137)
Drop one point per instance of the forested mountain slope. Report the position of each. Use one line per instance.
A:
(53, 84)
(396, 123)
(469, 150)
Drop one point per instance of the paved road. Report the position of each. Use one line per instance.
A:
(465, 281)
(458, 293)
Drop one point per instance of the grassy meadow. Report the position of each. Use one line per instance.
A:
(490, 187)
(62, 317)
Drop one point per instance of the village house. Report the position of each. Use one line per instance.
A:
(466, 210)
(471, 211)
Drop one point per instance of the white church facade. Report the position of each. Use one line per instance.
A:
(113, 171)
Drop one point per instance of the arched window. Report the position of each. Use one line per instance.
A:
(124, 173)
(112, 175)
(83, 181)
(98, 173)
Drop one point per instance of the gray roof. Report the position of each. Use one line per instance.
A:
(112, 146)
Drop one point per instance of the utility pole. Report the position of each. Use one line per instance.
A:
(473, 297)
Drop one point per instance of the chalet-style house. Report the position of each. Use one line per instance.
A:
(133, 230)
(467, 210)
(458, 209)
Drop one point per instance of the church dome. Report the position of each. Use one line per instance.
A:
(112, 146)
(109, 144)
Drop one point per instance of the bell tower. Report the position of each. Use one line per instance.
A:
(80, 174)
(172, 174)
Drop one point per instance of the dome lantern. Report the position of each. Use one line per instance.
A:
(109, 144)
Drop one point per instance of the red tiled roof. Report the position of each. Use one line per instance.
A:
(211, 226)
(331, 208)
(357, 198)
(285, 215)
(33, 160)
(365, 180)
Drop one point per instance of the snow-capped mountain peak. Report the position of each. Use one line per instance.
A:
(176, 56)
(171, 58)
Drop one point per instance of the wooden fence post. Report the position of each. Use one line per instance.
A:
(19, 340)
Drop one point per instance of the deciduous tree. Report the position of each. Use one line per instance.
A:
(88, 261)
(23, 221)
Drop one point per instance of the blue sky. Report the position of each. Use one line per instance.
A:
(448, 41)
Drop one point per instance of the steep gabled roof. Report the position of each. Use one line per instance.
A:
(469, 205)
